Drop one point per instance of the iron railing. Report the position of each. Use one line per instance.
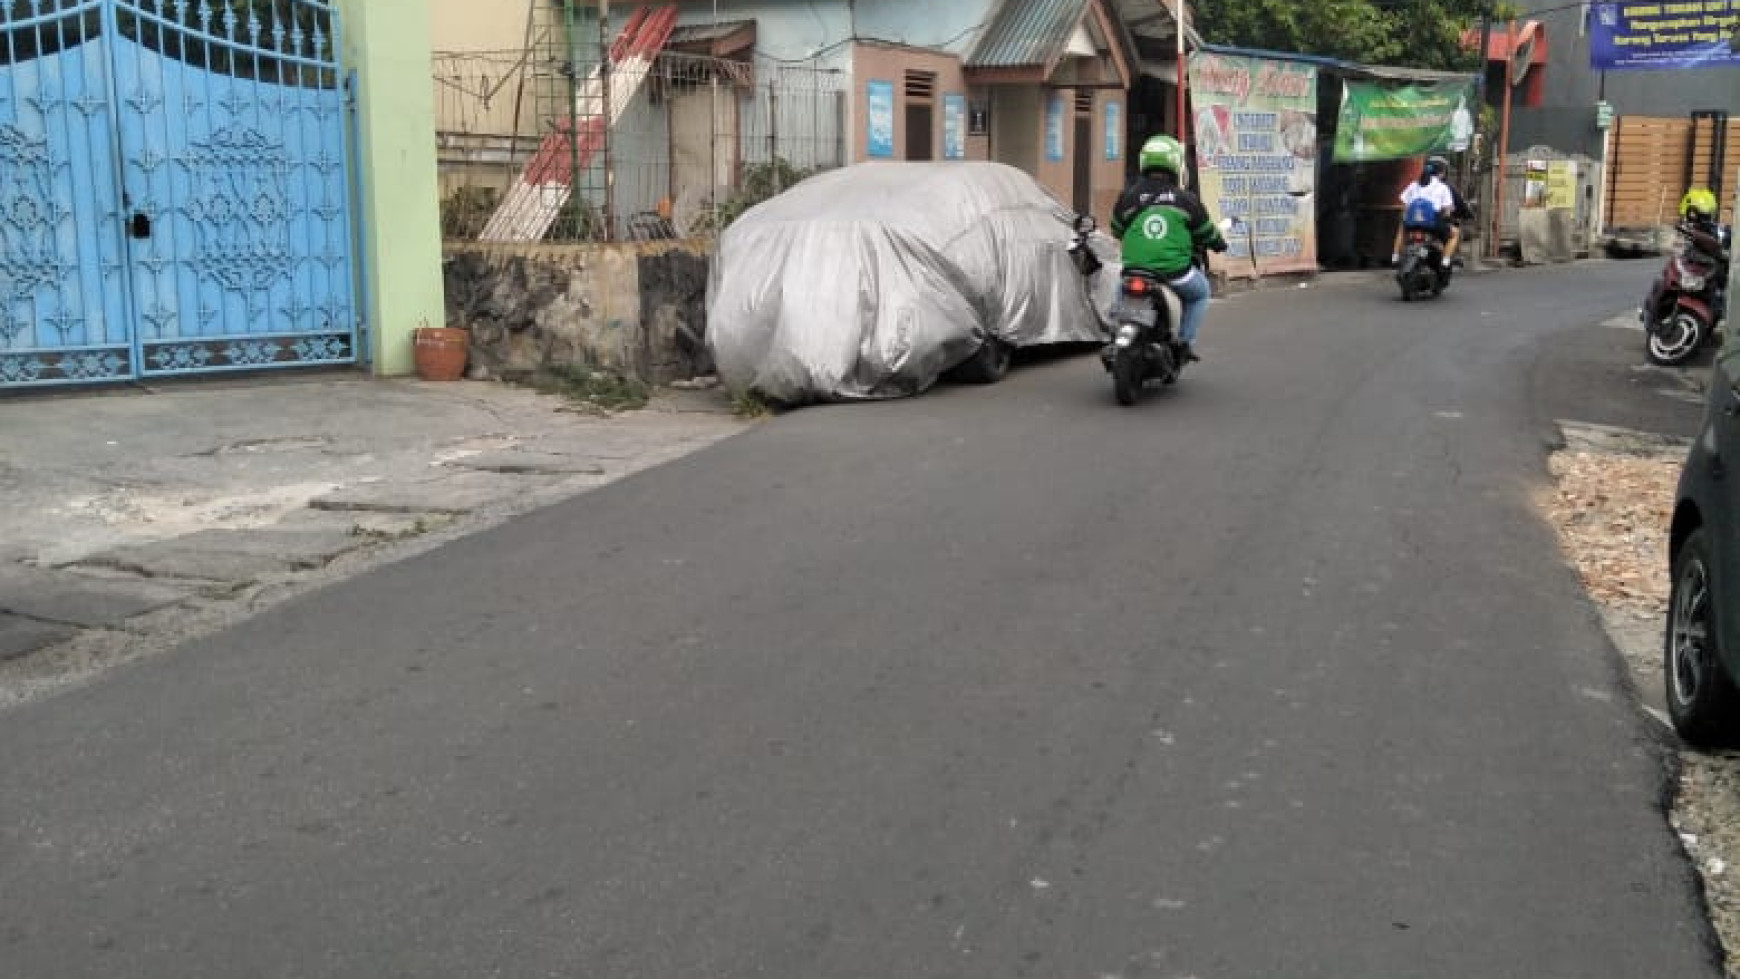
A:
(703, 139)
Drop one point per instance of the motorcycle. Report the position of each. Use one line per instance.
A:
(1422, 273)
(1685, 302)
(1143, 345)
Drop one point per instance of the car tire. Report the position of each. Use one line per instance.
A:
(988, 365)
(1702, 701)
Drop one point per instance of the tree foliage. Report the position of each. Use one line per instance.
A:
(1404, 33)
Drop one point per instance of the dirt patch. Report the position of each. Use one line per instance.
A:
(1612, 505)
(1612, 511)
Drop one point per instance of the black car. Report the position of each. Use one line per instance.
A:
(1702, 647)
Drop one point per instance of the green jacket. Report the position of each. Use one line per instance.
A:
(1162, 226)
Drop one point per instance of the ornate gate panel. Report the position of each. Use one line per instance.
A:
(219, 220)
(63, 304)
(232, 131)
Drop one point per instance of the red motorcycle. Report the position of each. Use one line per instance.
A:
(1685, 303)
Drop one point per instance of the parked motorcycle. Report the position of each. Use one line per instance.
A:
(1685, 302)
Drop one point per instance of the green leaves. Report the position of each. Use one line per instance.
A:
(1403, 33)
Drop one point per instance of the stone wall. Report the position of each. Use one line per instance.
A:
(634, 309)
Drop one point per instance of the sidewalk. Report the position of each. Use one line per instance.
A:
(138, 519)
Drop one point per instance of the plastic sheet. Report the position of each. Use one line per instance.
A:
(874, 280)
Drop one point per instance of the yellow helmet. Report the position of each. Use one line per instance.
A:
(1699, 203)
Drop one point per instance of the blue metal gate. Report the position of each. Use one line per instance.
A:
(173, 189)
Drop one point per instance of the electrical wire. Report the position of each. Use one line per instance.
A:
(862, 39)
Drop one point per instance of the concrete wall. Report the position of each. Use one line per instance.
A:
(1017, 126)
(1108, 178)
(787, 30)
(881, 62)
(954, 24)
(386, 42)
(1058, 176)
(636, 310)
(1565, 118)
(1567, 129)
(467, 25)
(1018, 139)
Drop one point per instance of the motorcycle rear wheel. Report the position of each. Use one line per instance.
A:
(1126, 376)
(1405, 279)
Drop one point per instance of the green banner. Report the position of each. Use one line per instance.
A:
(1382, 121)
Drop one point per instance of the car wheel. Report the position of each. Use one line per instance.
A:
(988, 365)
(1701, 697)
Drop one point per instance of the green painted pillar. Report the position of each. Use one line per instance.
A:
(386, 42)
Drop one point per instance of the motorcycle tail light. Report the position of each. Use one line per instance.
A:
(1136, 286)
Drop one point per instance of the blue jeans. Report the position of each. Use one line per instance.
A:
(1192, 291)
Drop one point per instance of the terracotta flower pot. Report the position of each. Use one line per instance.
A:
(440, 352)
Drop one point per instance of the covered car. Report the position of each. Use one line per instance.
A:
(874, 280)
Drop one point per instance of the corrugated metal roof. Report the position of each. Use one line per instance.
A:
(1344, 67)
(1026, 33)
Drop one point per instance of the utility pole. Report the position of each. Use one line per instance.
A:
(1178, 24)
(1485, 61)
(604, 123)
(1503, 148)
(1482, 138)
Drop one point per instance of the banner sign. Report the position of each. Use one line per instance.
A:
(1381, 121)
(1256, 156)
(1663, 34)
(1054, 128)
(954, 127)
(879, 141)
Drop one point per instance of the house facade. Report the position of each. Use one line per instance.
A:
(1559, 90)
(746, 89)
(1645, 134)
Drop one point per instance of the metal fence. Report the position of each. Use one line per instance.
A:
(701, 140)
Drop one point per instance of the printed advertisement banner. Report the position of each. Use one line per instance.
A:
(1256, 155)
(1391, 122)
(954, 127)
(879, 140)
(1663, 34)
(1054, 128)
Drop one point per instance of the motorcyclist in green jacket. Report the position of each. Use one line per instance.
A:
(1163, 227)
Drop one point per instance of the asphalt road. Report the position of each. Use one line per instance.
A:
(1276, 674)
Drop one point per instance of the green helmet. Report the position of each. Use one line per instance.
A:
(1163, 153)
(1699, 203)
